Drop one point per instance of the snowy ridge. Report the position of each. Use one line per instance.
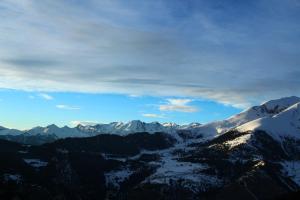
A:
(284, 124)
(56, 131)
(6, 131)
(267, 109)
(119, 128)
(134, 126)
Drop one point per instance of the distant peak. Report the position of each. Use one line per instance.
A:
(195, 124)
(52, 126)
(135, 121)
(169, 124)
(78, 125)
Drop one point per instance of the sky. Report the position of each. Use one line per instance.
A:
(66, 61)
(24, 110)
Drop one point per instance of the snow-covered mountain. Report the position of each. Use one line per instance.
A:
(118, 128)
(284, 124)
(121, 128)
(267, 109)
(7, 131)
(56, 131)
(135, 126)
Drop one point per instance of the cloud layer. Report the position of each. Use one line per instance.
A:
(178, 105)
(236, 53)
(153, 115)
(67, 107)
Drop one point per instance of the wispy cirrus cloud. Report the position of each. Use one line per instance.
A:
(178, 105)
(67, 107)
(198, 48)
(153, 115)
(44, 96)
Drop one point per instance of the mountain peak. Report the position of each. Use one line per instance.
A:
(286, 123)
(278, 105)
(135, 122)
(52, 126)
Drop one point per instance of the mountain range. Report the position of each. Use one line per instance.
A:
(258, 115)
(251, 155)
(118, 128)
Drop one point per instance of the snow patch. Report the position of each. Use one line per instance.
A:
(12, 177)
(189, 174)
(292, 170)
(36, 163)
(239, 140)
(115, 178)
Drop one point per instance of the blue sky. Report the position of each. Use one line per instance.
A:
(211, 54)
(25, 110)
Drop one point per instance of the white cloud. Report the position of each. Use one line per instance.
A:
(179, 101)
(134, 95)
(67, 107)
(178, 105)
(103, 46)
(44, 96)
(152, 115)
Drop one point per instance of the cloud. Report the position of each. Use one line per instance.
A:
(236, 53)
(178, 105)
(134, 95)
(30, 62)
(44, 96)
(67, 107)
(152, 115)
